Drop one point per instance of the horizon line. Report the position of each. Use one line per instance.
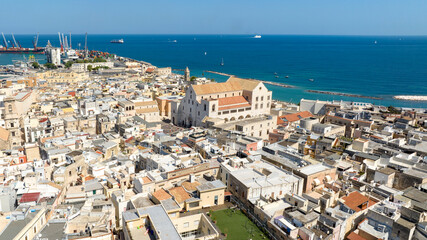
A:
(231, 34)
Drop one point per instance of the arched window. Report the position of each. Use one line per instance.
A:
(213, 108)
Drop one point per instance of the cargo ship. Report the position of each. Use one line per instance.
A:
(17, 48)
(117, 41)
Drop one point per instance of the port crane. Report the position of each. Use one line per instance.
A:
(14, 41)
(4, 40)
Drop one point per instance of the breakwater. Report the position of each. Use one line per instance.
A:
(343, 94)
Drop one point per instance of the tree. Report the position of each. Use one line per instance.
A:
(193, 78)
(68, 64)
(89, 68)
(50, 66)
(36, 65)
(99, 59)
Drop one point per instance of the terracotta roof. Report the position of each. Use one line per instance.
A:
(357, 201)
(4, 134)
(180, 194)
(88, 178)
(161, 195)
(211, 88)
(245, 84)
(191, 187)
(293, 117)
(146, 180)
(30, 197)
(231, 100)
(43, 140)
(355, 236)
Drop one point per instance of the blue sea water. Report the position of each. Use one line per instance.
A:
(349, 64)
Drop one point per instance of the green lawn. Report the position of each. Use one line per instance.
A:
(236, 225)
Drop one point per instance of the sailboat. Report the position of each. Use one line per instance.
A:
(222, 62)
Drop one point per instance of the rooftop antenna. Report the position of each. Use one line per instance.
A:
(4, 40)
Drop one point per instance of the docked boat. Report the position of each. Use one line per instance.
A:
(257, 36)
(117, 41)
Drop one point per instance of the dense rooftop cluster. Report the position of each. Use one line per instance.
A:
(132, 151)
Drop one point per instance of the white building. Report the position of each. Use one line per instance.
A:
(233, 100)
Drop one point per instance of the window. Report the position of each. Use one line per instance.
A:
(268, 98)
(213, 108)
(196, 222)
(225, 95)
(256, 106)
(12, 125)
(261, 106)
(10, 108)
(186, 224)
(256, 99)
(35, 229)
(205, 107)
(262, 98)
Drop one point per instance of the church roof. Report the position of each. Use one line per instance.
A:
(212, 88)
(245, 84)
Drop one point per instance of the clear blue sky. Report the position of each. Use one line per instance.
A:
(325, 17)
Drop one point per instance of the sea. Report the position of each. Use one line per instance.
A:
(376, 66)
